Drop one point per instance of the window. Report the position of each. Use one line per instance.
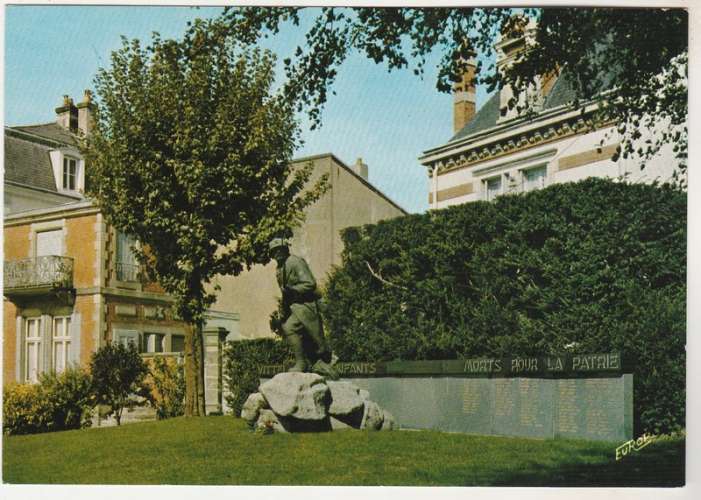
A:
(177, 343)
(33, 364)
(126, 337)
(70, 168)
(61, 343)
(493, 188)
(126, 264)
(534, 178)
(153, 342)
(49, 243)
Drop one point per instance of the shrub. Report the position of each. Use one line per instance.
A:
(597, 263)
(22, 409)
(166, 380)
(241, 360)
(70, 398)
(58, 402)
(117, 372)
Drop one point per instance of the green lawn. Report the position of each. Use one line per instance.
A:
(220, 450)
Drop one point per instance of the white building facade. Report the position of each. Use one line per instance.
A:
(494, 153)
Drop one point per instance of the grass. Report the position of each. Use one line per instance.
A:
(220, 450)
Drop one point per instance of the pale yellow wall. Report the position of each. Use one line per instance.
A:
(90, 243)
(86, 307)
(348, 202)
(16, 242)
(80, 244)
(355, 204)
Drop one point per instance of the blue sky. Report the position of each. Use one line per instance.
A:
(386, 118)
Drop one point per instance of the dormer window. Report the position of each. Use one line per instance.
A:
(70, 173)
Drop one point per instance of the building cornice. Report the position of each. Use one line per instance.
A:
(526, 160)
(40, 190)
(510, 138)
(155, 297)
(43, 214)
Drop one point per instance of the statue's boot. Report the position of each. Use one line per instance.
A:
(295, 342)
(323, 351)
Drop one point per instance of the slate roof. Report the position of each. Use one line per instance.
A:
(561, 93)
(51, 131)
(27, 150)
(485, 118)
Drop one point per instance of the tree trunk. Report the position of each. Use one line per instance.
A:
(200, 402)
(194, 371)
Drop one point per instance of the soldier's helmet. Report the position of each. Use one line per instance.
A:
(276, 243)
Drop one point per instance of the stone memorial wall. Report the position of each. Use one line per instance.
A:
(574, 396)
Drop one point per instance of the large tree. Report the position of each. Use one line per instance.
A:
(632, 61)
(191, 155)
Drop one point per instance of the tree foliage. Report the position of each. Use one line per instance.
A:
(638, 55)
(117, 373)
(166, 381)
(191, 155)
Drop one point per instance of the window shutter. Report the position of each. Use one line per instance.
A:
(46, 329)
(19, 349)
(74, 351)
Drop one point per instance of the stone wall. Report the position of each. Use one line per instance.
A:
(584, 408)
(584, 396)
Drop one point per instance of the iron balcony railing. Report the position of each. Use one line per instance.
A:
(50, 271)
(127, 272)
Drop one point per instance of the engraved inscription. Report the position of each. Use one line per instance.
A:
(356, 368)
(567, 415)
(594, 362)
(482, 365)
(596, 419)
(524, 365)
(504, 398)
(528, 396)
(471, 398)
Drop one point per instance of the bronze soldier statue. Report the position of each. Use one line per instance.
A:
(299, 320)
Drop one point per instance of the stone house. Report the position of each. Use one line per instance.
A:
(491, 153)
(71, 282)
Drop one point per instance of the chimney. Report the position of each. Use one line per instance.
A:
(86, 109)
(360, 168)
(67, 114)
(511, 45)
(464, 97)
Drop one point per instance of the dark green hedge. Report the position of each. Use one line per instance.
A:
(241, 361)
(585, 267)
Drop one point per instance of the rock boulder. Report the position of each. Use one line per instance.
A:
(388, 421)
(268, 423)
(303, 396)
(252, 406)
(345, 399)
(372, 417)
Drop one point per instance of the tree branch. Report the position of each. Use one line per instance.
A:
(379, 277)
